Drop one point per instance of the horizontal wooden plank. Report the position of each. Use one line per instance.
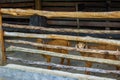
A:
(86, 19)
(52, 14)
(82, 50)
(59, 8)
(68, 56)
(76, 0)
(65, 37)
(44, 4)
(17, 5)
(64, 66)
(85, 23)
(71, 3)
(15, 1)
(88, 31)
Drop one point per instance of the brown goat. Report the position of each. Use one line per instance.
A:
(101, 47)
(55, 42)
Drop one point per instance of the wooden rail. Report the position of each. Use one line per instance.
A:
(64, 66)
(88, 31)
(51, 14)
(65, 37)
(89, 51)
(74, 57)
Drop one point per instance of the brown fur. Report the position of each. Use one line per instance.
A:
(55, 42)
(101, 47)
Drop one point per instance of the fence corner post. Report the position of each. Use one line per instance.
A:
(2, 48)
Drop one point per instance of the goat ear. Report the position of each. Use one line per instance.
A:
(86, 45)
(76, 46)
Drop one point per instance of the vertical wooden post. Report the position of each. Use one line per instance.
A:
(37, 4)
(78, 26)
(2, 49)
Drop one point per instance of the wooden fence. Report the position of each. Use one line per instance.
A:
(49, 14)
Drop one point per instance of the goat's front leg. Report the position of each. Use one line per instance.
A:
(68, 62)
(49, 60)
(89, 65)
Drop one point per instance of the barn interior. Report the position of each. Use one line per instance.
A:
(99, 29)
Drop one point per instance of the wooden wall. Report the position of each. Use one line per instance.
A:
(68, 5)
(17, 4)
(83, 5)
(24, 4)
(91, 5)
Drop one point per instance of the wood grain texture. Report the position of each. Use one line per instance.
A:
(74, 57)
(2, 49)
(88, 51)
(88, 31)
(37, 4)
(65, 37)
(51, 14)
(64, 66)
